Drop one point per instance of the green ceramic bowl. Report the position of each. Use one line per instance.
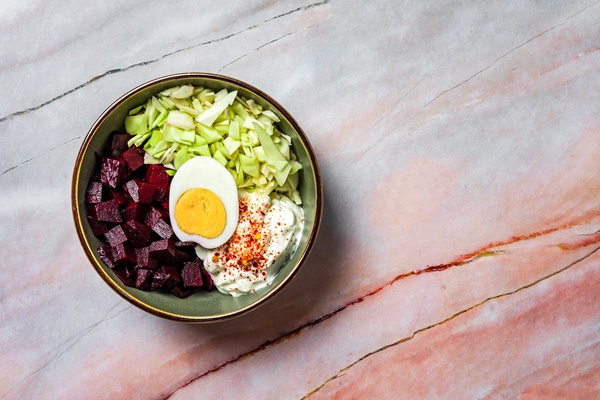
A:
(201, 306)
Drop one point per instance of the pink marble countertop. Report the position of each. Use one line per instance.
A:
(459, 143)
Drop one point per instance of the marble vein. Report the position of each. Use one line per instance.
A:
(117, 70)
(262, 46)
(511, 152)
(40, 155)
(417, 332)
(509, 52)
(416, 85)
(46, 14)
(360, 155)
(145, 63)
(154, 60)
(304, 8)
(71, 341)
(488, 251)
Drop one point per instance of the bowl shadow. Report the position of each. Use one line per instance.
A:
(304, 302)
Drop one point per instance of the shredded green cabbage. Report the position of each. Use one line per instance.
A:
(183, 122)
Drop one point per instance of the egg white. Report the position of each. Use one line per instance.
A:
(207, 173)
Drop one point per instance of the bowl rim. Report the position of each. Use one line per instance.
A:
(89, 251)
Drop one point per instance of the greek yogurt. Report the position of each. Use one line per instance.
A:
(267, 234)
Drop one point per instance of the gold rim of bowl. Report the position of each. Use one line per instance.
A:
(75, 202)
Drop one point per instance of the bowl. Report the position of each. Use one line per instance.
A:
(201, 306)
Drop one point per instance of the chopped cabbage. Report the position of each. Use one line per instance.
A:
(186, 121)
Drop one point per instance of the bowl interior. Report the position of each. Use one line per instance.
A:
(201, 306)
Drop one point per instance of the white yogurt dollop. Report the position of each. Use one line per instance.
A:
(266, 236)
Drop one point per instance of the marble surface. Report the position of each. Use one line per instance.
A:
(459, 143)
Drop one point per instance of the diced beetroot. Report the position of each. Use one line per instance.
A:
(105, 254)
(181, 292)
(182, 256)
(166, 277)
(163, 249)
(153, 215)
(127, 275)
(188, 247)
(160, 195)
(157, 175)
(138, 233)
(207, 280)
(144, 279)
(163, 229)
(139, 191)
(165, 205)
(123, 254)
(157, 219)
(93, 195)
(107, 211)
(113, 172)
(144, 260)
(116, 236)
(134, 157)
(185, 245)
(191, 275)
(119, 143)
(120, 197)
(136, 198)
(133, 210)
(98, 228)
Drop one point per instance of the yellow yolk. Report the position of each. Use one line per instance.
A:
(200, 212)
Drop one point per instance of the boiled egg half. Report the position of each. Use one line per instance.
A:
(203, 203)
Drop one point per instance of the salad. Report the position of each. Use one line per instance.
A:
(244, 167)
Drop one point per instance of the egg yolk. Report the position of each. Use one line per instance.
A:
(200, 212)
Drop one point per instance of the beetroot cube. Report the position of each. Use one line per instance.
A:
(138, 233)
(105, 254)
(98, 228)
(182, 256)
(160, 195)
(133, 210)
(157, 175)
(165, 205)
(207, 281)
(134, 158)
(181, 292)
(107, 211)
(113, 172)
(139, 191)
(144, 279)
(127, 275)
(154, 215)
(166, 277)
(191, 275)
(188, 247)
(123, 254)
(163, 229)
(120, 197)
(185, 245)
(144, 260)
(93, 195)
(163, 249)
(116, 236)
(119, 143)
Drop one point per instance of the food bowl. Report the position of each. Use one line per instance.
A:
(201, 306)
